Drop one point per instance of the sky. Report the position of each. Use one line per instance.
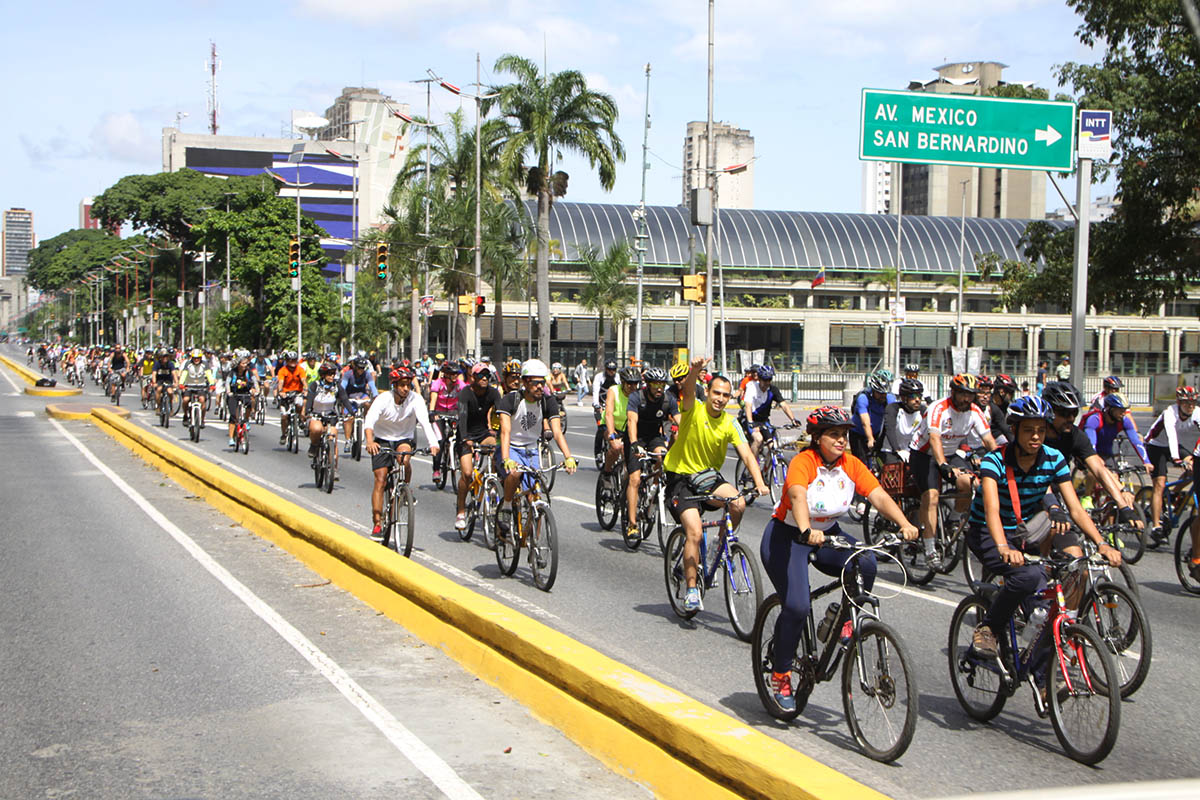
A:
(91, 85)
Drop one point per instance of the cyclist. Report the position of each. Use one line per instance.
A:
(1004, 388)
(521, 414)
(760, 395)
(822, 481)
(558, 383)
(678, 373)
(603, 381)
(649, 409)
(693, 465)
(392, 422)
(325, 397)
(1111, 385)
(616, 404)
(265, 367)
(1172, 434)
(197, 379)
(1014, 485)
(359, 384)
(164, 373)
(1102, 425)
(292, 380)
(118, 363)
(901, 419)
(935, 455)
(311, 367)
(241, 388)
(476, 405)
(751, 374)
(868, 408)
(443, 403)
(510, 376)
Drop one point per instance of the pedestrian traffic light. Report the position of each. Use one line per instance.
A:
(694, 288)
(466, 303)
(294, 256)
(480, 305)
(381, 260)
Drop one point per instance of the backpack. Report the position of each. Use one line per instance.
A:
(46, 382)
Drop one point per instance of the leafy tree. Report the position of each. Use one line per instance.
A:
(503, 237)
(608, 291)
(548, 115)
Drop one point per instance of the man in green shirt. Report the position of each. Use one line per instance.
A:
(616, 406)
(693, 465)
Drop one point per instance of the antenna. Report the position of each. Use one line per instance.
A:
(212, 67)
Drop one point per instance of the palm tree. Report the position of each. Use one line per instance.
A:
(504, 236)
(608, 290)
(548, 115)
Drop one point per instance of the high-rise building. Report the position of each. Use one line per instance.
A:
(735, 146)
(945, 190)
(18, 241)
(877, 187)
(85, 215)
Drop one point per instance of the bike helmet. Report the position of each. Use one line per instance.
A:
(679, 371)
(826, 417)
(766, 373)
(196, 353)
(753, 369)
(359, 363)
(965, 382)
(631, 375)
(610, 364)
(1113, 384)
(879, 382)
(1060, 394)
(1027, 408)
(326, 369)
(1114, 402)
(534, 368)
(1186, 393)
(1004, 381)
(911, 368)
(290, 355)
(911, 386)
(556, 366)
(400, 373)
(512, 367)
(160, 352)
(983, 383)
(451, 367)
(655, 375)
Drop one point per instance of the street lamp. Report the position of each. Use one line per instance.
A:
(962, 241)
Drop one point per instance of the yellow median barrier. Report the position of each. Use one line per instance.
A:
(28, 375)
(79, 410)
(637, 725)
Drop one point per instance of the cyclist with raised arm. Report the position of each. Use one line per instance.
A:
(650, 409)
(1014, 482)
(242, 388)
(867, 411)
(476, 412)
(821, 483)
(901, 419)
(760, 395)
(693, 466)
(1169, 441)
(359, 384)
(616, 404)
(392, 423)
(198, 380)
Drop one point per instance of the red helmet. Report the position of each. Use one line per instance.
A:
(1186, 393)
(400, 373)
(984, 383)
(1004, 381)
(827, 417)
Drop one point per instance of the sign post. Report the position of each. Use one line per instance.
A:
(1095, 141)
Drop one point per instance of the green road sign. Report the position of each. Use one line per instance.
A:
(929, 128)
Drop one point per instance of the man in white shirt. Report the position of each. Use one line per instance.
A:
(392, 423)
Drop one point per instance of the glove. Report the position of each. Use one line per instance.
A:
(946, 470)
(1058, 514)
(570, 464)
(903, 455)
(1126, 515)
(509, 465)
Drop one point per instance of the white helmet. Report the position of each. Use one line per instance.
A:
(534, 368)
(556, 366)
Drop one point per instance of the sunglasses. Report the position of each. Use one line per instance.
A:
(534, 383)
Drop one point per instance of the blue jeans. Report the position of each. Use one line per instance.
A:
(786, 562)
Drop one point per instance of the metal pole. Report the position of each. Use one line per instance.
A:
(1079, 290)
(204, 294)
(643, 228)
(478, 336)
(299, 269)
(720, 277)
(710, 183)
(354, 246)
(228, 286)
(962, 242)
(425, 250)
(899, 259)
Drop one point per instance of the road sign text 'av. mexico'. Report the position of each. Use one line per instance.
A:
(929, 128)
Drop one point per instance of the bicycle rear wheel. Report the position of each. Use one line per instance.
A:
(1115, 613)
(543, 547)
(976, 680)
(403, 520)
(674, 573)
(1183, 558)
(246, 442)
(1085, 714)
(762, 654)
(743, 590)
(950, 533)
(356, 449)
(328, 452)
(607, 499)
(879, 692)
(546, 460)
(492, 495)
(1126, 537)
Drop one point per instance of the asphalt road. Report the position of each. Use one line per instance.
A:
(615, 600)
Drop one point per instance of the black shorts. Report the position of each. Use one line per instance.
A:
(463, 447)
(633, 461)
(164, 380)
(925, 471)
(1160, 458)
(384, 459)
(233, 401)
(677, 493)
(858, 446)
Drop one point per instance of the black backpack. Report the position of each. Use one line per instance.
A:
(46, 382)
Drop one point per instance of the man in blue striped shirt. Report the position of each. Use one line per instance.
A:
(997, 532)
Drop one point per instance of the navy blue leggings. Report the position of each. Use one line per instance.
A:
(1019, 582)
(786, 563)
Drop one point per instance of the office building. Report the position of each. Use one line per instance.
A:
(734, 146)
(18, 241)
(877, 187)
(86, 222)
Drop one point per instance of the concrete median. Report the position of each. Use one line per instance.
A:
(27, 375)
(638, 726)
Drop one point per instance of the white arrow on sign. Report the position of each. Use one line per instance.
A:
(1049, 136)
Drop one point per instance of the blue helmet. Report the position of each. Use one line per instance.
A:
(880, 381)
(1114, 401)
(766, 372)
(1031, 407)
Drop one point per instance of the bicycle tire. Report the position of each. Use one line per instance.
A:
(607, 500)
(673, 573)
(1142, 500)
(327, 455)
(492, 497)
(546, 460)
(1126, 537)
(887, 692)
(916, 564)
(508, 547)
(776, 467)
(403, 520)
(1078, 638)
(743, 590)
(356, 450)
(947, 542)
(440, 482)
(1183, 558)
(1117, 615)
(978, 687)
(246, 441)
(471, 509)
(648, 508)
(543, 547)
(762, 646)
(632, 539)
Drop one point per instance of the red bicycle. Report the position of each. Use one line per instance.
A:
(241, 434)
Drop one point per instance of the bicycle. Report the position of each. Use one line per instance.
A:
(1177, 498)
(610, 493)
(357, 437)
(260, 410)
(743, 579)
(397, 520)
(484, 495)
(241, 433)
(547, 457)
(909, 556)
(1073, 660)
(1116, 613)
(875, 670)
(325, 459)
(192, 410)
(651, 502)
(116, 385)
(535, 529)
(291, 416)
(443, 463)
(164, 408)
(1125, 536)
(771, 463)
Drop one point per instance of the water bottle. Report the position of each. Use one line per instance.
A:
(826, 626)
(1037, 620)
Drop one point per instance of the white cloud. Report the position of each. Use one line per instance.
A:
(393, 13)
(120, 136)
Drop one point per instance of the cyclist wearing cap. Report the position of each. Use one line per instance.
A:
(868, 408)
(292, 381)
(521, 414)
(760, 395)
(443, 402)
(198, 379)
(693, 465)
(1111, 385)
(616, 404)
(1007, 520)
(358, 381)
(476, 407)
(649, 410)
(392, 423)
(821, 483)
(935, 455)
(1171, 439)
(900, 420)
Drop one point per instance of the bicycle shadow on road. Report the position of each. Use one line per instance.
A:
(618, 546)
(1023, 726)
(827, 724)
(1165, 587)
(705, 620)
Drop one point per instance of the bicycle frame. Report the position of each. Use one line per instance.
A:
(853, 609)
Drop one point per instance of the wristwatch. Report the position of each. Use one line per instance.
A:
(613, 436)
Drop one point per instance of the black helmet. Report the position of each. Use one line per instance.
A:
(911, 386)
(631, 375)
(1060, 394)
(610, 364)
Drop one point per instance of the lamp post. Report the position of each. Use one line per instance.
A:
(710, 181)
(353, 273)
(962, 242)
(643, 235)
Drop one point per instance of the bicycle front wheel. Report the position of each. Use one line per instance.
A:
(976, 679)
(1183, 558)
(743, 590)
(402, 522)
(543, 547)
(546, 459)
(879, 692)
(508, 547)
(1115, 613)
(492, 495)
(1085, 714)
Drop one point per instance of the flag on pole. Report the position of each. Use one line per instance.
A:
(817, 281)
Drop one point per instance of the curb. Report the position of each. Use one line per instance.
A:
(639, 727)
(52, 391)
(78, 410)
(28, 375)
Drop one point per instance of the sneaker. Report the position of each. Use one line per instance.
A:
(632, 532)
(1156, 534)
(232, 442)
(934, 560)
(1195, 570)
(346, 448)
(460, 521)
(983, 642)
(691, 601)
(781, 682)
(504, 520)
(437, 475)
(377, 533)
(282, 439)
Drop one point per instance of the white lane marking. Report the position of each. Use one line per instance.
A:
(922, 595)
(16, 389)
(25, 414)
(412, 748)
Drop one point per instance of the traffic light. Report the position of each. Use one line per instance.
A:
(480, 305)
(381, 260)
(694, 288)
(294, 256)
(466, 303)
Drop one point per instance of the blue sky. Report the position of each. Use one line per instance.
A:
(90, 86)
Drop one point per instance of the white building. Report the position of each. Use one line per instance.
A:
(734, 146)
(877, 187)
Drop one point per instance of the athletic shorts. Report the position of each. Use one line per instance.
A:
(678, 494)
(384, 459)
(925, 470)
(1160, 457)
(649, 445)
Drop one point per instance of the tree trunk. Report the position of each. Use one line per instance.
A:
(543, 270)
(600, 343)
(414, 323)
(498, 324)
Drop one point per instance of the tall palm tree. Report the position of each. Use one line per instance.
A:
(504, 235)
(608, 290)
(548, 115)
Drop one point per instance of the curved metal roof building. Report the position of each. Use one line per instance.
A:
(790, 240)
